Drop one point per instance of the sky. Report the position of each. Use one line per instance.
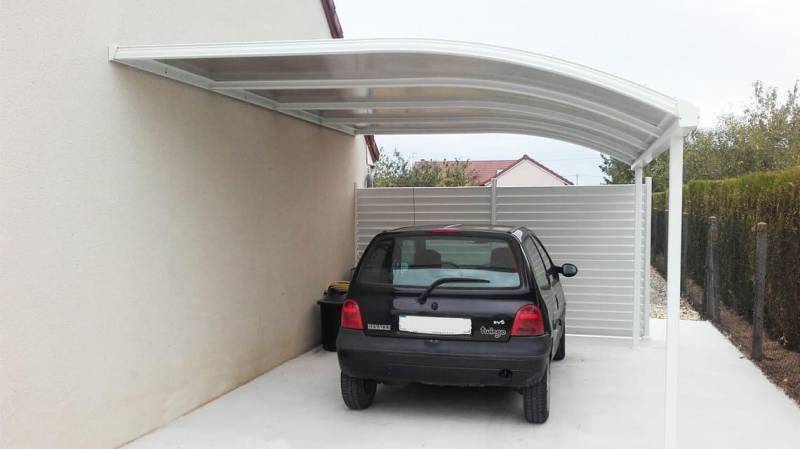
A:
(706, 52)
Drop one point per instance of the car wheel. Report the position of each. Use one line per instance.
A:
(562, 342)
(358, 394)
(536, 399)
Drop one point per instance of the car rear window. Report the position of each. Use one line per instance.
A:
(419, 260)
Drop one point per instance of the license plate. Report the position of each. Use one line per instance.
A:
(435, 325)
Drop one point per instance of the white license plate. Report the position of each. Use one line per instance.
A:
(435, 325)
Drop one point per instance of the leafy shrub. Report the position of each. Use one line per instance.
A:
(740, 203)
(393, 170)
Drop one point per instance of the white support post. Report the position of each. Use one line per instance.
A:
(637, 254)
(493, 201)
(648, 224)
(673, 290)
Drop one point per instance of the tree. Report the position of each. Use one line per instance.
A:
(617, 172)
(765, 136)
(453, 173)
(393, 170)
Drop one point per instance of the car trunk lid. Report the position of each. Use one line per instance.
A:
(441, 317)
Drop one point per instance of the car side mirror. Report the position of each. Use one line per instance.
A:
(568, 270)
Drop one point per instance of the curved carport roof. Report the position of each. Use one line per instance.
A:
(414, 86)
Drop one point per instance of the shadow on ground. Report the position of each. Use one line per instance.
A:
(465, 402)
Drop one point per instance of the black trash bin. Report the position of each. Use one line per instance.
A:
(330, 308)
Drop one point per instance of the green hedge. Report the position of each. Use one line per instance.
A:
(740, 203)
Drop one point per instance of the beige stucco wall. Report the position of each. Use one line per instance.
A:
(159, 244)
(526, 173)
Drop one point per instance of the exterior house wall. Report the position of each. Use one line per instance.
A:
(526, 173)
(159, 244)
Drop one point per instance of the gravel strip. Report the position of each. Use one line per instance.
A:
(658, 299)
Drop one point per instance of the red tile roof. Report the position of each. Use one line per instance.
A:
(486, 170)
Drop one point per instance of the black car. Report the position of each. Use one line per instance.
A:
(454, 305)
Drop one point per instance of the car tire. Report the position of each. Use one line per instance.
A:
(561, 352)
(536, 399)
(358, 394)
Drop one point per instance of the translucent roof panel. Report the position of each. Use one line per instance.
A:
(415, 86)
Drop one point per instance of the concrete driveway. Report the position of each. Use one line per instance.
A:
(605, 395)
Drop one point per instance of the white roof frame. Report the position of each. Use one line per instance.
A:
(436, 86)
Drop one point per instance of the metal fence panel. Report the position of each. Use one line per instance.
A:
(591, 226)
(379, 209)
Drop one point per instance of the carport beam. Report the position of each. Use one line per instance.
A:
(673, 290)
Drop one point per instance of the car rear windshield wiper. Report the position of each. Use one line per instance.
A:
(424, 296)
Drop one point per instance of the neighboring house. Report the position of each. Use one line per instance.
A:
(160, 244)
(521, 172)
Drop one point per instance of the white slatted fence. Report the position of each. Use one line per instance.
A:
(590, 226)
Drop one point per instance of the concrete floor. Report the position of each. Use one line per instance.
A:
(605, 395)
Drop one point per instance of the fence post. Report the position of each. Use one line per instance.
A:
(648, 229)
(655, 240)
(711, 300)
(758, 303)
(355, 223)
(638, 267)
(665, 237)
(493, 201)
(684, 249)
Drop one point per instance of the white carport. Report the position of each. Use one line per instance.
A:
(412, 86)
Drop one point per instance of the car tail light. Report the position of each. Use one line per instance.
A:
(351, 315)
(528, 322)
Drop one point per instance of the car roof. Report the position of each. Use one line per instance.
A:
(500, 229)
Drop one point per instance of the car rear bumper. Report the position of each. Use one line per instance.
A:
(519, 362)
